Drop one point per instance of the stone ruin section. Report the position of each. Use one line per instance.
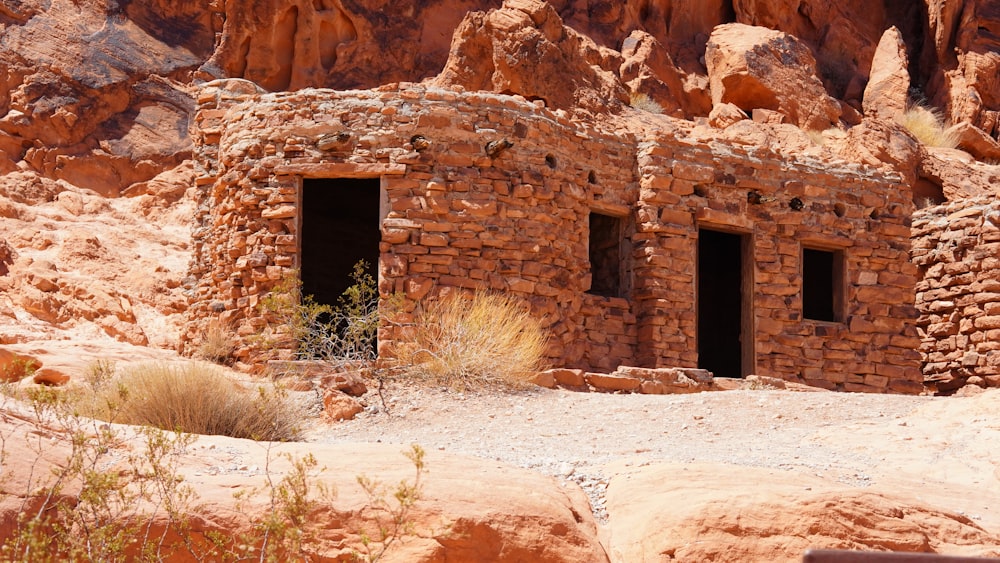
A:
(624, 243)
(957, 248)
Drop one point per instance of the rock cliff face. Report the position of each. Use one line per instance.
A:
(96, 93)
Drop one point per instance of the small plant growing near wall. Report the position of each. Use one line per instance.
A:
(474, 341)
(317, 331)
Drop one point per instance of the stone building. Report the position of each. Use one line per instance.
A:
(635, 244)
(956, 247)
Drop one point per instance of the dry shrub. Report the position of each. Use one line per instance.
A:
(488, 339)
(928, 126)
(217, 344)
(196, 398)
(643, 102)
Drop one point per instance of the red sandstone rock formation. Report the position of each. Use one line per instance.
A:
(755, 67)
(469, 510)
(727, 513)
(524, 48)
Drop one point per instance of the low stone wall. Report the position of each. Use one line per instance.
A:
(957, 249)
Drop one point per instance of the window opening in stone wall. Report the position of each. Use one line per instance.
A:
(724, 289)
(605, 242)
(822, 284)
(339, 226)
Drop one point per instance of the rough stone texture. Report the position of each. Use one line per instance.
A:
(524, 48)
(93, 93)
(516, 223)
(957, 248)
(717, 512)
(339, 406)
(469, 509)
(888, 89)
(648, 69)
(755, 67)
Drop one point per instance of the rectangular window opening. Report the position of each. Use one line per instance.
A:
(605, 242)
(823, 285)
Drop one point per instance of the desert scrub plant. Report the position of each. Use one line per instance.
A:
(928, 126)
(88, 507)
(316, 331)
(217, 343)
(195, 398)
(483, 340)
(643, 102)
(391, 518)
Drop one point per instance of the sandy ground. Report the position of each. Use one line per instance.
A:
(941, 450)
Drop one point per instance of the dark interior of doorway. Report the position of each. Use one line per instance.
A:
(720, 302)
(340, 226)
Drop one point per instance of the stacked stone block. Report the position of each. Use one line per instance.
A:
(461, 214)
(957, 249)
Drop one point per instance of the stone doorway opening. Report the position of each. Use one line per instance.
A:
(338, 226)
(724, 295)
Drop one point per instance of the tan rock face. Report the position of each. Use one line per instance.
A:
(91, 93)
(707, 512)
(754, 67)
(469, 509)
(887, 92)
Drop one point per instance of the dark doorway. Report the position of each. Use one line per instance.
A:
(605, 255)
(722, 303)
(339, 227)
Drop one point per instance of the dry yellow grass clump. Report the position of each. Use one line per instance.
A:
(487, 339)
(928, 126)
(191, 397)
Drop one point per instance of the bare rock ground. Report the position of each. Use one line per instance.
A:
(919, 450)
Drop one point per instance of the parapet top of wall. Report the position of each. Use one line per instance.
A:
(245, 115)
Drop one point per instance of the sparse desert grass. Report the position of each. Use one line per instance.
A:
(643, 102)
(488, 339)
(929, 126)
(191, 397)
(217, 344)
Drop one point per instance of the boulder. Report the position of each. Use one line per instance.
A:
(15, 367)
(883, 144)
(755, 67)
(648, 69)
(51, 377)
(726, 114)
(340, 406)
(524, 48)
(716, 512)
(887, 92)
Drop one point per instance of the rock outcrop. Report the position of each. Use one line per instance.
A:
(468, 510)
(715, 512)
(755, 67)
(524, 48)
(887, 92)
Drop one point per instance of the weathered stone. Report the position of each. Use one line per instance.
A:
(755, 67)
(339, 406)
(887, 92)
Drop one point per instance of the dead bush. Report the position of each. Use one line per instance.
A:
(195, 398)
(487, 339)
(928, 126)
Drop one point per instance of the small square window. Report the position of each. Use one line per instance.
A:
(605, 241)
(823, 285)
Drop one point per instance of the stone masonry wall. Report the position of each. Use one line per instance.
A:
(957, 248)
(684, 186)
(459, 218)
